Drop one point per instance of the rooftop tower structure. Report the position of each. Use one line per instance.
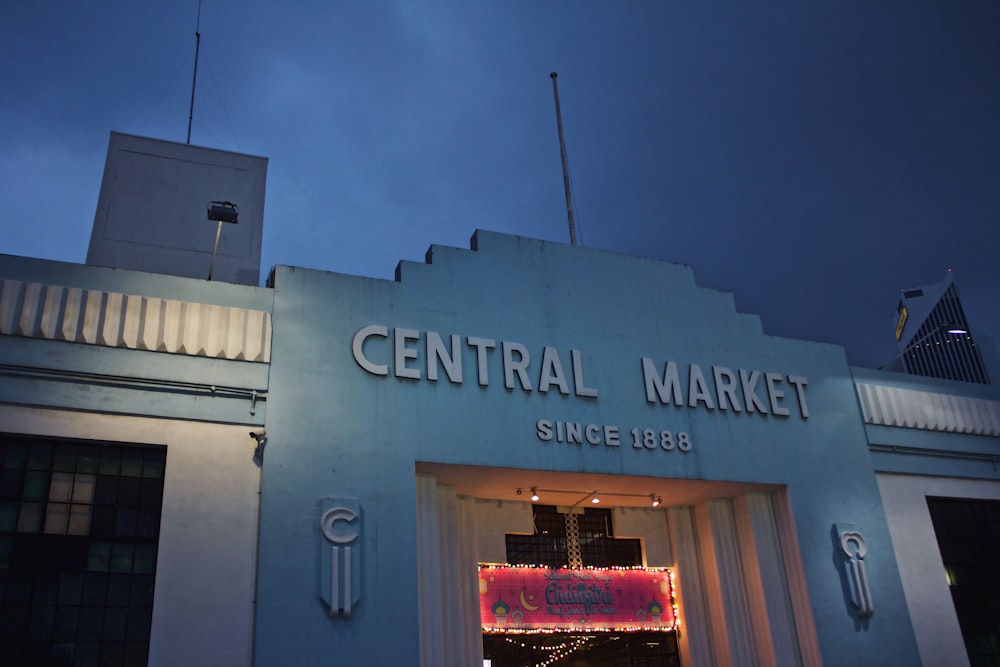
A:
(151, 213)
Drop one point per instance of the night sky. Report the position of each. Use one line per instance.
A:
(813, 158)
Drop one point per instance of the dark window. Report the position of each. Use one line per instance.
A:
(968, 535)
(79, 527)
(547, 546)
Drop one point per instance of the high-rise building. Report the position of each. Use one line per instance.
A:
(934, 339)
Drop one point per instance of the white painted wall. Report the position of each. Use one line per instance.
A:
(939, 637)
(203, 601)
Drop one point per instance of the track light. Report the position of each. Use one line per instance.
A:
(534, 495)
(656, 500)
(595, 500)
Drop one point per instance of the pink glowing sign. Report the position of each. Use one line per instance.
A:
(522, 599)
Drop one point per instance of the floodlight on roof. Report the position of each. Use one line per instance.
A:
(221, 211)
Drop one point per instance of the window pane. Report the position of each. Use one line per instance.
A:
(95, 588)
(87, 460)
(65, 458)
(30, 519)
(61, 488)
(70, 588)
(83, 488)
(10, 483)
(79, 520)
(36, 485)
(8, 516)
(99, 559)
(15, 456)
(121, 558)
(118, 589)
(114, 624)
(40, 456)
(56, 518)
(132, 463)
(125, 523)
(91, 620)
(111, 460)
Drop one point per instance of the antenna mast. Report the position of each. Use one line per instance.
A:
(565, 163)
(194, 78)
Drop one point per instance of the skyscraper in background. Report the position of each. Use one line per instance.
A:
(934, 338)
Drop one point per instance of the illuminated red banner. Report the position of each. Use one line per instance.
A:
(523, 599)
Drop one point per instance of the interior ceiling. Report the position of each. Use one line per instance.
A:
(569, 488)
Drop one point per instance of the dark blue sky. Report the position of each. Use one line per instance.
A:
(813, 158)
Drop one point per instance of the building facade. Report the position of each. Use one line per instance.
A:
(343, 470)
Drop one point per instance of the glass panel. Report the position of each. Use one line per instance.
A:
(87, 653)
(65, 458)
(16, 455)
(144, 555)
(106, 491)
(56, 518)
(132, 463)
(8, 516)
(149, 524)
(6, 547)
(138, 623)
(103, 522)
(121, 558)
(118, 589)
(99, 559)
(128, 491)
(41, 622)
(87, 460)
(79, 520)
(70, 588)
(135, 652)
(65, 625)
(112, 654)
(30, 519)
(111, 460)
(125, 523)
(152, 493)
(39, 456)
(95, 588)
(10, 483)
(36, 485)
(142, 591)
(91, 620)
(154, 464)
(114, 624)
(83, 488)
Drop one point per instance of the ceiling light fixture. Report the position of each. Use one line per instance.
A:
(534, 495)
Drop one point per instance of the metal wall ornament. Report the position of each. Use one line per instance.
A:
(340, 555)
(854, 549)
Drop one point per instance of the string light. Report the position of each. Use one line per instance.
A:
(675, 626)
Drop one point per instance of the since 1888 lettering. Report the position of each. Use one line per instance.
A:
(609, 435)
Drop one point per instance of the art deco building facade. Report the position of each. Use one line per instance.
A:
(343, 470)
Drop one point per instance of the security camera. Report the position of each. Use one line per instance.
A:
(258, 436)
